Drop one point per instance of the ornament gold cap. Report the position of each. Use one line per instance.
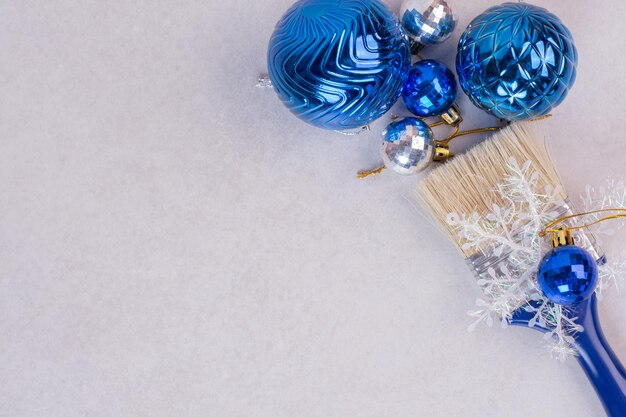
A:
(562, 237)
(452, 117)
(442, 152)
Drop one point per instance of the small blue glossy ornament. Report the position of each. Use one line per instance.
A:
(516, 61)
(568, 274)
(338, 64)
(430, 89)
(408, 146)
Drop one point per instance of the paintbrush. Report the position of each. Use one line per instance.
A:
(472, 183)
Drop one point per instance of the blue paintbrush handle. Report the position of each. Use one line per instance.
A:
(603, 368)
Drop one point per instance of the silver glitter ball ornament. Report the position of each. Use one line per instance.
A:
(408, 146)
(427, 21)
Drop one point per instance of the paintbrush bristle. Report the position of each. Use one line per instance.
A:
(466, 184)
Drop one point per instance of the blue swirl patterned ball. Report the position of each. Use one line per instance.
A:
(568, 274)
(430, 89)
(516, 61)
(338, 64)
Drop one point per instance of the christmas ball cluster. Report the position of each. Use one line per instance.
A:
(341, 64)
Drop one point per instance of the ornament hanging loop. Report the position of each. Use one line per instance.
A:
(439, 123)
(442, 147)
(364, 174)
(619, 213)
(540, 118)
(457, 134)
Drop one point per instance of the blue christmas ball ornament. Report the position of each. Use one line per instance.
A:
(338, 64)
(430, 89)
(408, 146)
(516, 61)
(568, 274)
(427, 21)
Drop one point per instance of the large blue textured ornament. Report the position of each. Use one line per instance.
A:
(568, 274)
(516, 61)
(430, 89)
(338, 64)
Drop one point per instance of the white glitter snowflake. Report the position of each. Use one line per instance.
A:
(510, 232)
(611, 195)
(611, 274)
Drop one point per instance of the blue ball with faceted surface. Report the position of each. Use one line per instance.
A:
(430, 89)
(568, 274)
(427, 21)
(408, 146)
(338, 64)
(516, 61)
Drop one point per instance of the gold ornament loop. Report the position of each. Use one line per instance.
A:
(550, 227)
(439, 123)
(364, 174)
(456, 133)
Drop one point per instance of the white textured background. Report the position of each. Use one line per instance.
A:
(173, 242)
